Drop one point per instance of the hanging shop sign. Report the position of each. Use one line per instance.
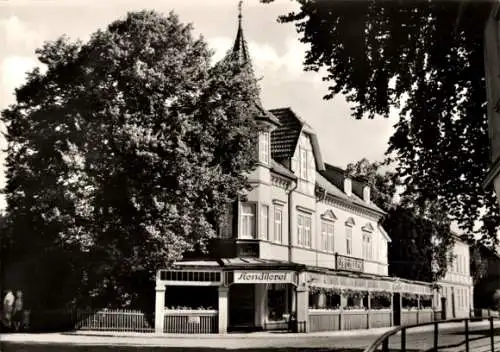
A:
(257, 277)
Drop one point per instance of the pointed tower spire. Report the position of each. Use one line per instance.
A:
(240, 48)
(241, 55)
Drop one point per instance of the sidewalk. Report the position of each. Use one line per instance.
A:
(329, 339)
(286, 335)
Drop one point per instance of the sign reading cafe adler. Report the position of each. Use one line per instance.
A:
(256, 277)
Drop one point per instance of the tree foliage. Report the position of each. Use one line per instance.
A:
(425, 58)
(122, 155)
(421, 241)
(383, 185)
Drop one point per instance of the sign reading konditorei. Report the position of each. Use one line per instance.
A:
(256, 277)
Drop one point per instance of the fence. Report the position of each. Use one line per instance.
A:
(88, 319)
(191, 321)
(114, 320)
(176, 321)
(473, 340)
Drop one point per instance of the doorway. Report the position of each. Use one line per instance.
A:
(396, 309)
(443, 308)
(241, 307)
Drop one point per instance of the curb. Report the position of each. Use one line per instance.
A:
(258, 335)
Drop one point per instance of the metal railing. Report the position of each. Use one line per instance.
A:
(382, 342)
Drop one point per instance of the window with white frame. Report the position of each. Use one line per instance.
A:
(327, 233)
(264, 222)
(348, 239)
(248, 220)
(303, 163)
(304, 225)
(278, 224)
(367, 246)
(264, 147)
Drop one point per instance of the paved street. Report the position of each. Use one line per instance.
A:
(352, 341)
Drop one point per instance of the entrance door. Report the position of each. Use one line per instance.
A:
(242, 307)
(396, 309)
(443, 308)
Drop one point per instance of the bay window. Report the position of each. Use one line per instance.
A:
(248, 220)
(264, 222)
(264, 147)
(278, 224)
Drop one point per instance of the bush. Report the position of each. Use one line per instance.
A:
(496, 300)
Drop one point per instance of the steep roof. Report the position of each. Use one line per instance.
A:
(281, 170)
(241, 55)
(335, 175)
(284, 139)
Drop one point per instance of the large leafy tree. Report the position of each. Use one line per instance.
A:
(122, 155)
(425, 58)
(421, 240)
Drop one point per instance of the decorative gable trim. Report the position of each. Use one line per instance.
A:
(278, 202)
(350, 222)
(305, 210)
(329, 215)
(368, 227)
(280, 182)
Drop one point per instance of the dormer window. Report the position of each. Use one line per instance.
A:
(348, 186)
(264, 147)
(366, 194)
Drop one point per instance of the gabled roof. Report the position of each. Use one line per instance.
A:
(284, 139)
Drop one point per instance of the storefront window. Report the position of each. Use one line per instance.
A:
(356, 300)
(409, 301)
(426, 302)
(321, 298)
(276, 301)
(380, 300)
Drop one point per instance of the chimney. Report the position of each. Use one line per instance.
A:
(347, 186)
(366, 194)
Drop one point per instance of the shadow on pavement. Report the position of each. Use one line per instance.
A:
(14, 347)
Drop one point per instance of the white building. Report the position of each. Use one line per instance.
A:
(304, 242)
(456, 299)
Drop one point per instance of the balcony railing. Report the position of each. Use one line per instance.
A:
(343, 262)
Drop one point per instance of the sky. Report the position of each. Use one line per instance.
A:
(276, 52)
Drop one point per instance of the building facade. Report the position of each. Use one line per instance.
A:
(456, 290)
(489, 282)
(304, 244)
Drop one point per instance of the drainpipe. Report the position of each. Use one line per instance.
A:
(293, 301)
(290, 208)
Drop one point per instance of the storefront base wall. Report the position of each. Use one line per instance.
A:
(323, 320)
(348, 320)
(411, 317)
